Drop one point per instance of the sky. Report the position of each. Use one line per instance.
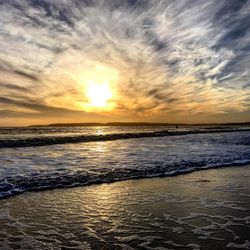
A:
(170, 61)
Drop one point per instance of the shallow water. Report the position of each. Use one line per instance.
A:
(74, 164)
(202, 210)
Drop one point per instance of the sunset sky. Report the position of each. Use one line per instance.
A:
(124, 60)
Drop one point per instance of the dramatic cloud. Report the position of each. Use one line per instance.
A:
(169, 61)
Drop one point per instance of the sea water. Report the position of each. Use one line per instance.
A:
(61, 159)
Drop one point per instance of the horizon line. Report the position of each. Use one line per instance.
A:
(129, 124)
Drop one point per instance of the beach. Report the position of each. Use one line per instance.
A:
(124, 124)
(208, 209)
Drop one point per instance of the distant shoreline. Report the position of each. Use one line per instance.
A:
(86, 124)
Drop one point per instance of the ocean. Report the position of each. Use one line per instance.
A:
(41, 158)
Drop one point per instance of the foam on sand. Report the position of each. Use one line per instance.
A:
(159, 213)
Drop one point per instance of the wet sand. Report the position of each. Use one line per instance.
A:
(207, 209)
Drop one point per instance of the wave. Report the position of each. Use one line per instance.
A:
(45, 141)
(21, 184)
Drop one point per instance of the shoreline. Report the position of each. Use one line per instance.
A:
(152, 176)
(200, 210)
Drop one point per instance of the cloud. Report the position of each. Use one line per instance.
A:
(161, 57)
(13, 87)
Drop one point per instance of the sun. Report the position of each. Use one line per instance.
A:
(98, 94)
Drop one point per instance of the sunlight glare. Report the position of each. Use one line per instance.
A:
(98, 94)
